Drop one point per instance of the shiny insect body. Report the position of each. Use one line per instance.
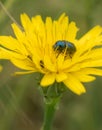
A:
(64, 46)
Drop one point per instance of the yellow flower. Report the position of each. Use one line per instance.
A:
(36, 49)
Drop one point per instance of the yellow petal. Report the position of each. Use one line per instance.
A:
(94, 32)
(67, 63)
(9, 43)
(23, 64)
(26, 22)
(83, 77)
(48, 64)
(23, 72)
(95, 53)
(74, 85)
(91, 39)
(60, 61)
(92, 63)
(63, 23)
(58, 30)
(92, 71)
(19, 34)
(48, 79)
(71, 33)
(61, 76)
(6, 54)
(61, 17)
(49, 33)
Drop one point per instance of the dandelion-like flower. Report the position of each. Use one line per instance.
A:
(51, 48)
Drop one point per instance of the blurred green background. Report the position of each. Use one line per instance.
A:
(21, 103)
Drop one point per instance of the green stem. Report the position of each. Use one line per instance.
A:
(50, 108)
(5, 7)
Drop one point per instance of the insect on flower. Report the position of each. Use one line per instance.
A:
(52, 49)
(62, 46)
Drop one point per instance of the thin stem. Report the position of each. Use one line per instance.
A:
(5, 7)
(5, 10)
(50, 108)
(52, 95)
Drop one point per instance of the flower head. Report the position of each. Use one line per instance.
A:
(51, 48)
